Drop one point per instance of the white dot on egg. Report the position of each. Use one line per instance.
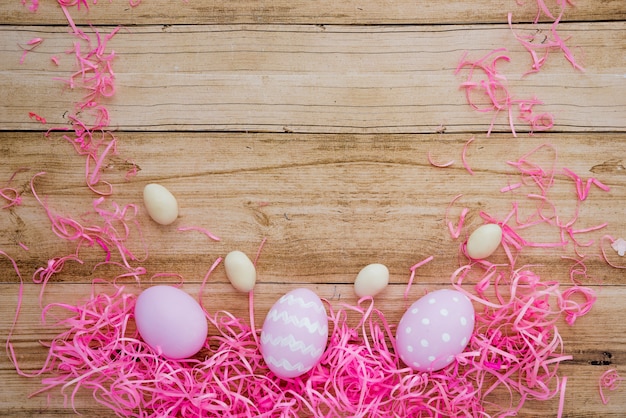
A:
(455, 299)
(425, 321)
(449, 359)
(424, 342)
(444, 312)
(463, 321)
(431, 358)
(414, 311)
(431, 301)
(416, 364)
(463, 342)
(409, 348)
(408, 330)
(445, 337)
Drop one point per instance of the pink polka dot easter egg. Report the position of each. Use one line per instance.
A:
(435, 329)
(294, 334)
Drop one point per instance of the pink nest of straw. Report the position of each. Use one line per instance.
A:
(515, 350)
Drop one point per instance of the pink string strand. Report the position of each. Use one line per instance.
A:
(609, 380)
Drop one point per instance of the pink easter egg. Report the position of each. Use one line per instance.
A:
(294, 334)
(170, 321)
(435, 329)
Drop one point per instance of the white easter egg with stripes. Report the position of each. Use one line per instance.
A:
(434, 330)
(294, 334)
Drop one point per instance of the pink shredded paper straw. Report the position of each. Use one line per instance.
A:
(609, 380)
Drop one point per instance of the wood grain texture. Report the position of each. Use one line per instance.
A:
(307, 193)
(328, 205)
(302, 190)
(382, 79)
(362, 12)
(309, 124)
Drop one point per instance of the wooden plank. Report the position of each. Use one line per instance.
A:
(327, 204)
(302, 11)
(361, 79)
(585, 341)
(594, 348)
(369, 96)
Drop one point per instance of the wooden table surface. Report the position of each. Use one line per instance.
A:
(309, 124)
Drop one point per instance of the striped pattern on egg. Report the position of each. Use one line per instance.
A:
(294, 334)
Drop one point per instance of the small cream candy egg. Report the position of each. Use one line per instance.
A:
(160, 204)
(484, 241)
(371, 280)
(240, 271)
